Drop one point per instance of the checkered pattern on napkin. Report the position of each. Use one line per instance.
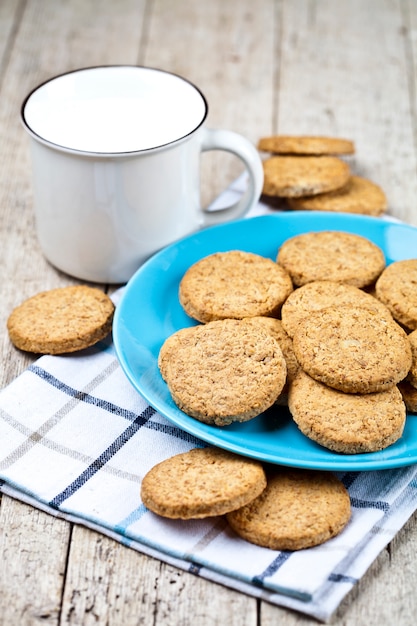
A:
(76, 440)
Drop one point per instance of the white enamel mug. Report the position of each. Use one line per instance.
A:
(116, 167)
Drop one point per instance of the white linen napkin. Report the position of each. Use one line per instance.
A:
(76, 440)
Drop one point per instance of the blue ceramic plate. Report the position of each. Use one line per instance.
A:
(149, 312)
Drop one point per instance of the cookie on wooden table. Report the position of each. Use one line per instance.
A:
(61, 320)
(306, 145)
(321, 294)
(358, 195)
(233, 284)
(345, 422)
(202, 483)
(331, 255)
(397, 288)
(352, 349)
(298, 509)
(224, 371)
(294, 176)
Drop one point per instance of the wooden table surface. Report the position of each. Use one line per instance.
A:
(344, 68)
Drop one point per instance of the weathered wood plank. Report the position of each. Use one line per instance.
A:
(409, 9)
(226, 49)
(110, 584)
(386, 594)
(33, 548)
(343, 71)
(10, 14)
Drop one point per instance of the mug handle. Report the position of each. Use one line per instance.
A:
(218, 139)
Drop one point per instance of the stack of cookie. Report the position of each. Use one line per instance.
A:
(309, 173)
(324, 329)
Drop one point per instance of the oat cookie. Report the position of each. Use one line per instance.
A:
(352, 349)
(321, 294)
(233, 284)
(331, 255)
(223, 371)
(412, 374)
(345, 422)
(306, 145)
(275, 327)
(294, 176)
(201, 483)
(409, 394)
(358, 195)
(61, 320)
(397, 288)
(298, 509)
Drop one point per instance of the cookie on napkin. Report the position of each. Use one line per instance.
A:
(294, 176)
(61, 320)
(298, 509)
(202, 483)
